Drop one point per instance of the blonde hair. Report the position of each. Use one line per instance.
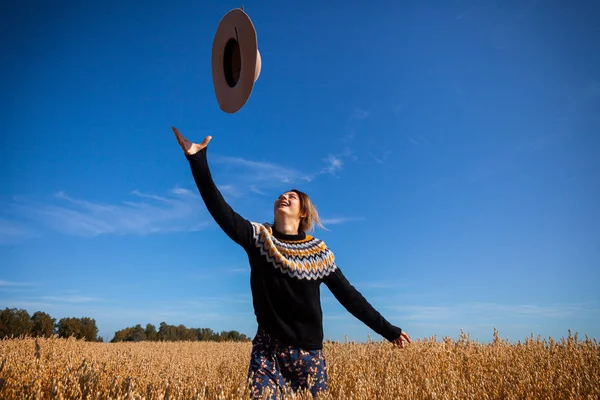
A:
(308, 209)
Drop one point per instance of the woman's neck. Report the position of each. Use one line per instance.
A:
(287, 226)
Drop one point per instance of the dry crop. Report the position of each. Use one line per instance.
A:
(427, 369)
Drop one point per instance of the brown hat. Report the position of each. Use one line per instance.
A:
(235, 60)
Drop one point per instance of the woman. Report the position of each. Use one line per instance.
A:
(287, 267)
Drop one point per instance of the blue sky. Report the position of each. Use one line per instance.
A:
(450, 147)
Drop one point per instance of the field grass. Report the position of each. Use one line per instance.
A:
(431, 368)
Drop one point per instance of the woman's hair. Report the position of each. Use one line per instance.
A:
(311, 215)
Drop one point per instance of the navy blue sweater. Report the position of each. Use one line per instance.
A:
(286, 272)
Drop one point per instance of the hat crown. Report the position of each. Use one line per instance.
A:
(236, 61)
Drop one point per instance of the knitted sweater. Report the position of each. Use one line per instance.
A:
(286, 272)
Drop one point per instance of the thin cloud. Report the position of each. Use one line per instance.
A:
(51, 302)
(478, 311)
(255, 189)
(348, 137)
(65, 301)
(529, 310)
(4, 283)
(429, 313)
(376, 159)
(12, 232)
(340, 220)
(332, 164)
(69, 299)
(147, 196)
(380, 159)
(418, 140)
(180, 211)
(256, 172)
(254, 176)
(230, 190)
(200, 276)
(29, 305)
(183, 192)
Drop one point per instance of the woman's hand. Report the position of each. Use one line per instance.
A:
(401, 339)
(189, 147)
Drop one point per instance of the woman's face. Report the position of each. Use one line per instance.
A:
(288, 204)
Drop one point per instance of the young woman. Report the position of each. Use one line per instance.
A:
(287, 267)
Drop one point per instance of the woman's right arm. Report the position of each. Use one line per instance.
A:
(235, 226)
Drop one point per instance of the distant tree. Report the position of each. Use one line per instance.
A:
(182, 333)
(89, 330)
(68, 327)
(42, 324)
(14, 322)
(133, 334)
(80, 328)
(166, 332)
(138, 333)
(233, 336)
(205, 334)
(119, 336)
(151, 333)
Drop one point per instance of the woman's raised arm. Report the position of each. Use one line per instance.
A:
(235, 226)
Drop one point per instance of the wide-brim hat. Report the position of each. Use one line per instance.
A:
(236, 62)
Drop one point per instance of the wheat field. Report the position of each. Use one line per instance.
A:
(430, 368)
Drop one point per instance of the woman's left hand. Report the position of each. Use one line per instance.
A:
(189, 147)
(401, 339)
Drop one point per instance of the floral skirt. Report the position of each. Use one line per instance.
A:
(277, 368)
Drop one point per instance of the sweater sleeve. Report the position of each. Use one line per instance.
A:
(358, 306)
(235, 226)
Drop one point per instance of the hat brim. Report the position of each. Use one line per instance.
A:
(234, 25)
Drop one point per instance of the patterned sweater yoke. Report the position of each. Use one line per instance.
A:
(309, 258)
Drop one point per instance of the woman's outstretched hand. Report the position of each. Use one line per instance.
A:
(189, 147)
(401, 339)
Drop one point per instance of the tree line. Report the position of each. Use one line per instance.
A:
(16, 322)
(174, 333)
